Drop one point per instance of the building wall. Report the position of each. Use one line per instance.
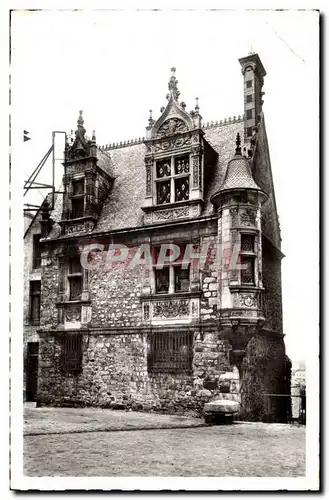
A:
(114, 374)
(29, 331)
(114, 370)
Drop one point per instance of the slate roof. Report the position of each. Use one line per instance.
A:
(238, 175)
(122, 209)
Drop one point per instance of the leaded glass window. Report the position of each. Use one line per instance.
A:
(182, 165)
(247, 243)
(163, 192)
(247, 270)
(181, 189)
(172, 180)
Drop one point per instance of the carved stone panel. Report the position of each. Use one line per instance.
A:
(73, 314)
(174, 143)
(247, 217)
(171, 213)
(171, 308)
(172, 126)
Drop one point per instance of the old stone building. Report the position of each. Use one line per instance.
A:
(155, 281)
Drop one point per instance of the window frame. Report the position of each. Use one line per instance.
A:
(34, 294)
(71, 276)
(36, 246)
(165, 354)
(172, 275)
(171, 178)
(248, 255)
(71, 343)
(78, 196)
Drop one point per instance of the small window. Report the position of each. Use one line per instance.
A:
(181, 189)
(249, 113)
(78, 187)
(170, 352)
(249, 84)
(249, 131)
(182, 165)
(247, 243)
(35, 294)
(75, 279)
(182, 279)
(77, 207)
(78, 198)
(36, 251)
(163, 169)
(248, 270)
(249, 98)
(163, 192)
(162, 280)
(71, 353)
(172, 179)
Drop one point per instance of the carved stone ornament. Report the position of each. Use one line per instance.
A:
(73, 314)
(196, 171)
(248, 217)
(148, 179)
(146, 312)
(171, 213)
(86, 226)
(234, 216)
(172, 144)
(171, 308)
(247, 300)
(148, 218)
(171, 127)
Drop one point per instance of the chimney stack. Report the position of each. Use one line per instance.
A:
(253, 72)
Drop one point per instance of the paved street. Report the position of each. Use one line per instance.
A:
(64, 448)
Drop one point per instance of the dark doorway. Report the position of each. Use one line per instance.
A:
(32, 371)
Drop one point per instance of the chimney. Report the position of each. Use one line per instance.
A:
(253, 72)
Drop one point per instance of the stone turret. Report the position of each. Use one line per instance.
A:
(238, 203)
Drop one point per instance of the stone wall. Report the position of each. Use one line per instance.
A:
(115, 375)
(264, 371)
(29, 331)
(273, 288)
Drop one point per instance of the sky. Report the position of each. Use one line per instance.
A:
(115, 66)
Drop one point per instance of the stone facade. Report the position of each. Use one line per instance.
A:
(121, 341)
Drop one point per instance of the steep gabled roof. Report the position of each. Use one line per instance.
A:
(123, 206)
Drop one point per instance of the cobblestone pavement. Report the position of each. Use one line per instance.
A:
(68, 420)
(241, 449)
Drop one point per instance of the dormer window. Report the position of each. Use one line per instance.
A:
(172, 180)
(78, 198)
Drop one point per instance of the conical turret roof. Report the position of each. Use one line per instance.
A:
(238, 173)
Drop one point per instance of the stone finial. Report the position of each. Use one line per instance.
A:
(151, 121)
(238, 144)
(80, 130)
(80, 119)
(196, 104)
(172, 86)
(93, 137)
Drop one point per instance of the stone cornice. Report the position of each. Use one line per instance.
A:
(141, 140)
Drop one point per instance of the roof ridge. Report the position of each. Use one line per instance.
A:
(140, 140)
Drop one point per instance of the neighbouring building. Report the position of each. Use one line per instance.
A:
(110, 324)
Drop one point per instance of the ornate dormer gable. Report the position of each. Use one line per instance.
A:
(174, 161)
(86, 185)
